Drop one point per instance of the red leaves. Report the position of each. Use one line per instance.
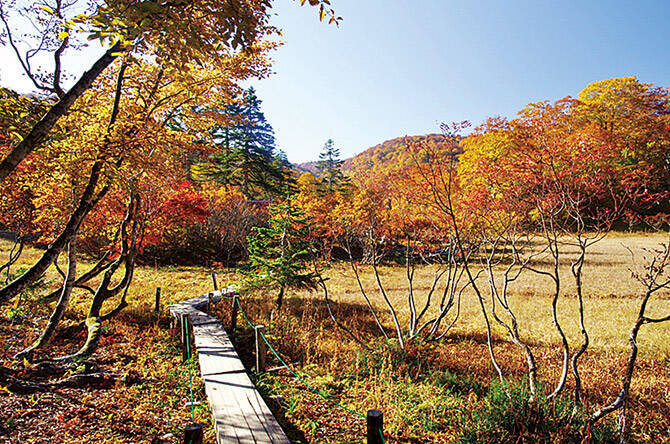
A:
(187, 205)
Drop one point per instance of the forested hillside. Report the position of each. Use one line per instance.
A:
(392, 153)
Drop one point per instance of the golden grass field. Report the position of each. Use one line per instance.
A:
(611, 297)
(415, 409)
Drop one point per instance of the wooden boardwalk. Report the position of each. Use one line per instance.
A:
(240, 414)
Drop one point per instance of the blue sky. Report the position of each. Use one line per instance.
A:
(401, 67)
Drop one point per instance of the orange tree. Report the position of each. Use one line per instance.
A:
(571, 169)
(174, 35)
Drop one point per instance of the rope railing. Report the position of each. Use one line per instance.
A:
(375, 413)
(193, 432)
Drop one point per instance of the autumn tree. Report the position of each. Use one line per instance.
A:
(385, 217)
(147, 29)
(569, 176)
(137, 160)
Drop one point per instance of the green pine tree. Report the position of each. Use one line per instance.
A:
(330, 167)
(279, 253)
(249, 158)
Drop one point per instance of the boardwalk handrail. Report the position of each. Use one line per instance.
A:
(375, 433)
(240, 413)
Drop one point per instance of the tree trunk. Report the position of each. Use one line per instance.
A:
(105, 291)
(61, 305)
(80, 282)
(14, 255)
(577, 273)
(42, 128)
(280, 297)
(365, 296)
(622, 399)
(86, 203)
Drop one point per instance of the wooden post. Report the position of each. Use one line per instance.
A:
(216, 287)
(210, 297)
(157, 309)
(375, 427)
(185, 338)
(193, 434)
(233, 315)
(180, 321)
(260, 348)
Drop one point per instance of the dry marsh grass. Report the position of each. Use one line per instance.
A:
(410, 387)
(176, 282)
(611, 297)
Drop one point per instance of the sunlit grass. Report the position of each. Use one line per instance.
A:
(176, 282)
(611, 298)
(418, 402)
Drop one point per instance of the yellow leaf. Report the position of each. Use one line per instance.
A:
(63, 34)
(47, 9)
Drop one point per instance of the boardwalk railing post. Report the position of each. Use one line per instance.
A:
(173, 324)
(180, 322)
(233, 315)
(193, 434)
(157, 309)
(185, 338)
(375, 427)
(260, 348)
(216, 287)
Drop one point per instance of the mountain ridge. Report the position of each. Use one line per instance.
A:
(384, 153)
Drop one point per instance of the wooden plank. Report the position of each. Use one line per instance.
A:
(243, 385)
(227, 409)
(240, 414)
(227, 417)
(273, 428)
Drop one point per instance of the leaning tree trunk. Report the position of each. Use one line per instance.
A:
(86, 202)
(14, 255)
(105, 290)
(93, 324)
(365, 295)
(61, 305)
(622, 399)
(280, 298)
(39, 132)
(84, 278)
